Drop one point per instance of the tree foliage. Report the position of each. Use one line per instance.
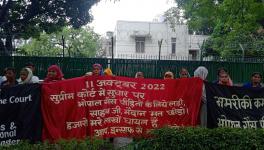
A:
(83, 42)
(29, 18)
(234, 25)
(174, 16)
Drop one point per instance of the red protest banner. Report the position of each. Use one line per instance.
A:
(117, 106)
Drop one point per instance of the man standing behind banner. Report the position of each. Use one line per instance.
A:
(224, 79)
(10, 75)
(202, 73)
(255, 81)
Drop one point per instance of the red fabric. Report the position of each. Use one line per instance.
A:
(59, 75)
(69, 118)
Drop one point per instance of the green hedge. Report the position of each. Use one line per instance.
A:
(168, 139)
(202, 139)
(88, 144)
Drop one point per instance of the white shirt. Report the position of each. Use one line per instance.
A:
(35, 79)
(2, 79)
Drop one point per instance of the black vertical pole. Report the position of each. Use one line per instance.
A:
(112, 60)
(63, 45)
(160, 43)
(158, 62)
(112, 42)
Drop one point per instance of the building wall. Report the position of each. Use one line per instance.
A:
(126, 31)
(196, 41)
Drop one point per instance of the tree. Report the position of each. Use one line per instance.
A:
(29, 18)
(200, 15)
(235, 26)
(83, 42)
(174, 16)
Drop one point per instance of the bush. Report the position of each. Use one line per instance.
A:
(87, 144)
(167, 139)
(201, 139)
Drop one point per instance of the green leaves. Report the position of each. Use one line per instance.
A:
(168, 139)
(76, 42)
(86, 144)
(230, 23)
(29, 18)
(202, 139)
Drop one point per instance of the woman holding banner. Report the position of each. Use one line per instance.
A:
(54, 74)
(97, 70)
(202, 73)
(255, 81)
(139, 75)
(184, 73)
(168, 75)
(108, 72)
(25, 76)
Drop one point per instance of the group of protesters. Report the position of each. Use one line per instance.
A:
(54, 73)
(27, 76)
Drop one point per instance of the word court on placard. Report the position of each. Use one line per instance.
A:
(16, 100)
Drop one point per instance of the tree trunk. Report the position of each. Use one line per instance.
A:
(2, 48)
(9, 45)
(6, 48)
